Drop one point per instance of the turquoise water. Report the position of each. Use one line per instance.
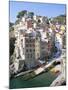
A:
(42, 80)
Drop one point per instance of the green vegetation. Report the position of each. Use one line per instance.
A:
(61, 19)
(30, 14)
(22, 13)
(11, 28)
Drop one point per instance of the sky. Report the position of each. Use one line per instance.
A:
(42, 9)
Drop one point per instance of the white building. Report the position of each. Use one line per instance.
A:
(28, 42)
(27, 45)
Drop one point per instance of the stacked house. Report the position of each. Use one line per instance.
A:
(31, 42)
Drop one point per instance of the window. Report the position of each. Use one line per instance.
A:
(21, 40)
(26, 50)
(33, 50)
(39, 21)
(33, 45)
(26, 45)
(30, 45)
(27, 55)
(30, 50)
(30, 40)
(27, 40)
(31, 55)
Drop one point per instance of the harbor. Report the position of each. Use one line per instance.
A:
(42, 80)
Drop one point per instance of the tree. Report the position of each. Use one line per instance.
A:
(11, 28)
(60, 19)
(11, 24)
(30, 14)
(21, 13)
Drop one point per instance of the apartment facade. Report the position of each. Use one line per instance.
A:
(32, 49)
